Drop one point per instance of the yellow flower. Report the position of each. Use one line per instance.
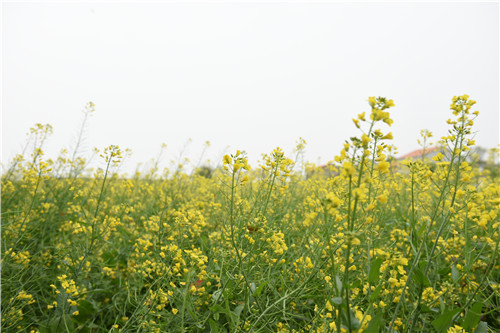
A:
(383, 166)
(237, 166)
(388, 121)
(382, 198)
(227, 159)
(359, 193)
(388, 136)
(455, 329)
(245, 179)
(348, 169)
(372, 101)
(333, 200)
(438, 157)
(365, 139)
(392, 282)
(329, 306)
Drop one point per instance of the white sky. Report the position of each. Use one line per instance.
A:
(250, 75)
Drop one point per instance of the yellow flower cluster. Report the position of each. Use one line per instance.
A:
(365, 243)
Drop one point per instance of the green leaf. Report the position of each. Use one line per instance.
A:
(443, 322)
(191, 312)
(109, 258)
(338, 284)
(482, 327)
(445, 271)
(472, 316)
(216, 309)
(375, 323)
(204, 243)
(217, 295)
(420, 277)
(376, 292)
(337, 300)
(355, 284)
(85, 309)
(421, 230)
(124, 231)
(354, 321)
(83, 222)
(455, 275)
(252, 288)
(214, 326)
(50, 325)
(374, 274)
(424, 308)
(260, 288)
(237, 310)
(228, 312)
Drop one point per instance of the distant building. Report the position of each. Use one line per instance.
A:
(422, 153)
(477, 155)
(326, 170)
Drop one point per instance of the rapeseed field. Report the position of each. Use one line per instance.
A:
(364, 244)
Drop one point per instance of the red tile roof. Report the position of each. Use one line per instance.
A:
(420, 152)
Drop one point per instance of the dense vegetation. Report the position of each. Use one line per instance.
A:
(370, 246)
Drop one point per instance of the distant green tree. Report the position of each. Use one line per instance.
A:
(205, 171)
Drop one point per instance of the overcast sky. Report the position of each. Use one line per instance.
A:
(251, 76)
